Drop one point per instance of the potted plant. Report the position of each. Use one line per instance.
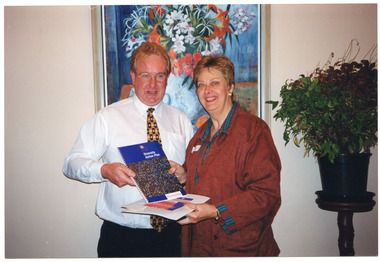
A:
(333, 111)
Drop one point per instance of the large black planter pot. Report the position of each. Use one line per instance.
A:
(345, 180)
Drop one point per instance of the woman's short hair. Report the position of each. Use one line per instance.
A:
(219, 62)
(147, 49)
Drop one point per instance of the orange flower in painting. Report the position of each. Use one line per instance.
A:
(151, 13)
(212, 7)
(154, 36)
(159, 9)
(187, 58)
(188, 63)
(197, 57)
(221, 29)
(172, 53)
(221, 14)
(201, 121)
(176, 64)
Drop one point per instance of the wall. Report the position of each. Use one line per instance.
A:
(48, 96)
(48, 49)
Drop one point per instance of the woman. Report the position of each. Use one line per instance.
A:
(233, 160)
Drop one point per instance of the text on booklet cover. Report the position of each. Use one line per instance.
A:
(151, 166)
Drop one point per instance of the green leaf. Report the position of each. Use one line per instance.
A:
(361, 143)
(191, 85)
(331, 157)
(185, 80)
(286, 137)
(273, 103)
(327, 118)
(336, 148)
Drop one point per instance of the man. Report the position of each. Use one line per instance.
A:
(95, 158)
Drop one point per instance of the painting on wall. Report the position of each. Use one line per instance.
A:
(187, 32)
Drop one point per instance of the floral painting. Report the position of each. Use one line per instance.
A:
(187, 32)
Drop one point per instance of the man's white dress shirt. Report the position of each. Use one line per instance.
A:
(120, 124)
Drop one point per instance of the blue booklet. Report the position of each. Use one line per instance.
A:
(151, 166)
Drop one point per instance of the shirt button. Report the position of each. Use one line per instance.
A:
(215, 237)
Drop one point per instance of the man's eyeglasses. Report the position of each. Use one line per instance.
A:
(159, 77)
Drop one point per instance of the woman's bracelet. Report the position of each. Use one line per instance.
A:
(216, 219)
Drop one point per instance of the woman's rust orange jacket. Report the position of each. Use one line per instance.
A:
(240, 171)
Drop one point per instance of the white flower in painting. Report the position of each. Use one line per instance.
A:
(173, 17)
(189, 38)
(250, 21)
(178, 43)
(241, 15)
(214, 45)
(190, 29)
(132, 43)
(168, 30)
(206, 52)
(242, 20)
(169, 20)
(242, 27)
(183, 24)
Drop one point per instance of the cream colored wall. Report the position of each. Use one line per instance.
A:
(49, 94)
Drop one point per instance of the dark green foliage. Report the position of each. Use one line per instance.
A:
(333, 110)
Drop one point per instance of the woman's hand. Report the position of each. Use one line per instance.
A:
(201, 212)
(179, 171)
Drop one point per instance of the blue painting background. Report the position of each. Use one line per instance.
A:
(244, 53)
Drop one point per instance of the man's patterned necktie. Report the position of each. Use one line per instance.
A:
(153, 134)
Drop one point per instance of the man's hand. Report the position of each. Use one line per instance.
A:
(178, 170)
(118, 174)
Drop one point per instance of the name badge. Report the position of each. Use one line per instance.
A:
(195, 148)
